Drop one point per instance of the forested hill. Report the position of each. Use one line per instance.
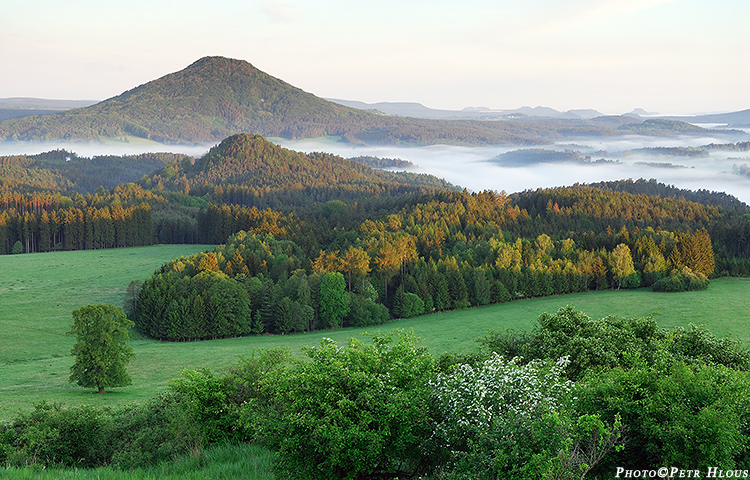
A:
(216, 97)
(207, 101)
(249, 170)
(653, 188)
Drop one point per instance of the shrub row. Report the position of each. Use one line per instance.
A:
(590, 395)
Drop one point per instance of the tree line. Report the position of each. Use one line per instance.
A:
(392, 269)
(76, 229)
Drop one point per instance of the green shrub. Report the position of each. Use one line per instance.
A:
(502, 419)
(204, 397)
(51, 435)
(160, 430)
(412, 306)
(364, 312)
(590, 344)
(356, 411)
(681, 282)
(696, 344)
(672, 283)
(676, 414)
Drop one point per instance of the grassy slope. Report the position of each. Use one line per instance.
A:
(221, 462)
(38, 293)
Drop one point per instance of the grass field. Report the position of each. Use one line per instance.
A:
(38, 292)
(221, 462)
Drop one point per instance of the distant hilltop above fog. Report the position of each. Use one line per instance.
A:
(410, 109)
(216, 97)
(733, 119)
(17, 107)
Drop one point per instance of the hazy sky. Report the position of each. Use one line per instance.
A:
(667, 56)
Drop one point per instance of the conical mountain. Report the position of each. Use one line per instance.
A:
(207, 101)
(216, 97)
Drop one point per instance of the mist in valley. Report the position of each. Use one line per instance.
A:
(616, 158)
(485, 168)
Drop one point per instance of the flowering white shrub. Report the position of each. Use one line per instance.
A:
(503, 418)
(475, 399)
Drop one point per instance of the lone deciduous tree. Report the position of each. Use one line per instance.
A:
(101, 351)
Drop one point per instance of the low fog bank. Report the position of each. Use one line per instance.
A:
(93, 149)
(477, 168)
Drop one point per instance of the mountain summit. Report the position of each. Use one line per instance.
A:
(216, 97)
(209, 100)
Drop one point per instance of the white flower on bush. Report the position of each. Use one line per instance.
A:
(497, 396)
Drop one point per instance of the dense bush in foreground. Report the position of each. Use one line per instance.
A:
(572, 399)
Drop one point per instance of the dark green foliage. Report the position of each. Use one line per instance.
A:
(675, 414)
(284, 316)
(481, 288)
(407, 305)
(158, 431)
(51, 435)
(334, 302)
(441, 294)
(257, 327)
(696, 344)
(101, 351)
(203, 397)
(595, 345)
(499, 293)
(459, 294)
(208, 305)
(412, 306)
(681, 282)
(357, 411)
(199, 410)
(364, 311)
(83, 437)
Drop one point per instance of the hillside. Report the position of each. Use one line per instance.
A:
(209, 100)
(249, 170)
(216, 97)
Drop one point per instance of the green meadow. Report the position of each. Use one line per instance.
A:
(220, 462)
(38, 292)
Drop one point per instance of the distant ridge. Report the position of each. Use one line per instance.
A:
(216, 97)
(731, 118)
(417, 110)
(17, 107)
